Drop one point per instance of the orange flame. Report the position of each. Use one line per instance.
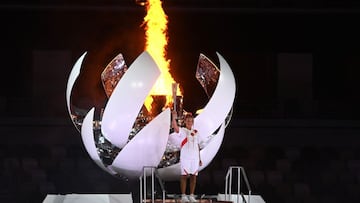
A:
(156, 42)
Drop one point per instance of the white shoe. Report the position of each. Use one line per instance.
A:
(184, 198)
(192, 198)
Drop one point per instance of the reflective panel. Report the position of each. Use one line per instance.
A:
(207, 74)
(113, 73)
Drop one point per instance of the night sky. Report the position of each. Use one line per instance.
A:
(249, 35)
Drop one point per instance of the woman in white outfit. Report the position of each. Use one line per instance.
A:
(190, 160)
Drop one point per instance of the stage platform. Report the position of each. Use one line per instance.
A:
(126, 198)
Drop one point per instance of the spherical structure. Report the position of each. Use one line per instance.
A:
(125, 137)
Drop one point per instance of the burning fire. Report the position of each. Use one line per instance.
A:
(156, 41)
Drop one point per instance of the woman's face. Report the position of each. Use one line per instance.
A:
(189, 121)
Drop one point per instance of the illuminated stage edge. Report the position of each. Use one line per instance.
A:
(126, 198)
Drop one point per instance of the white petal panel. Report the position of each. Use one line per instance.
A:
(146, 148)
(212, 116)
(128, 98)
(220, 104)
(208, 153)
(72, 78)
(87, 136)
(170, 173)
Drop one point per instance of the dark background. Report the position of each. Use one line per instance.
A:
(296, 65)
(263, 42)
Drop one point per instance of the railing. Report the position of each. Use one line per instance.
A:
(143, 185)
(228, 183)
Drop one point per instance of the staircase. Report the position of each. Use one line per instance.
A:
(235, 176)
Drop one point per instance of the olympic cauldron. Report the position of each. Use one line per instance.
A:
(126, 137)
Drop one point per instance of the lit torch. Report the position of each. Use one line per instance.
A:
(174, 94)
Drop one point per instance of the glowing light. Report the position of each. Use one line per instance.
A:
(156, 41)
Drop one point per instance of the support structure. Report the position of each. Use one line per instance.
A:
(152, 172)
(229, 180)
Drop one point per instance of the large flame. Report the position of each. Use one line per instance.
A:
(156, 41)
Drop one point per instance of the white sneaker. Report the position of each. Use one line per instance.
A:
(192, 198)
(184, 198)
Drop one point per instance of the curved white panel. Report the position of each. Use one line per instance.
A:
(72, 78)
(212, 116)
(219, 105)
(170, 173)
(87, 136)
(208, 153)
(128, 98)
(146, 148)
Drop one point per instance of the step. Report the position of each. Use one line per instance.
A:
(179, 201)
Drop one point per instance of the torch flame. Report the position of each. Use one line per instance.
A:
(156, 41)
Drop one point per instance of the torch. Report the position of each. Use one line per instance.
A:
(174, 93)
